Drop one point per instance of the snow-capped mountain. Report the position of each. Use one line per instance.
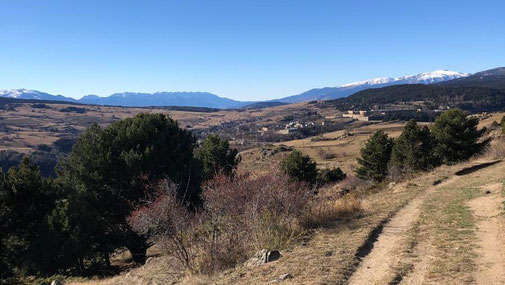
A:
(33, 94)
(351, 88)
(204, 99)
(422, 78)
(20, 93)
(133, 99)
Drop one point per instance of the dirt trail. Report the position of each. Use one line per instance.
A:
(490, 228)
(424, 252)
(378, 266)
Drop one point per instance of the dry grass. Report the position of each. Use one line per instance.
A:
(29, 126)
(310, 262)
(446, 231)
(348, 206)
(327, 212)
(329, 256)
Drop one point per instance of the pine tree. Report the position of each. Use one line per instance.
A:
(413, 150)
(216, 156)
(111, 168)
(457, 136)
(375, 157)
(299, 167)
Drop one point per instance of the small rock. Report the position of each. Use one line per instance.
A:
(391, 185)
(285, 277)
(57, 282)
(436, 182)
(488, 192)
(262, 257)
(329, 253)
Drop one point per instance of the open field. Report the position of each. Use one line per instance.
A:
(24, 126)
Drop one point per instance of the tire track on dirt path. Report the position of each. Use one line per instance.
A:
(377, 267)
(423, 255)
(384, 253)
(490, 258)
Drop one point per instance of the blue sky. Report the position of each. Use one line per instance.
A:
(245, 50)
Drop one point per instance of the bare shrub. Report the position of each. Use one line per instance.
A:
(321, 213)
(351, 183)
(264, 210)
(396, 172)
(167, 222)
(240, 215)
(495, 149)
(326, 154)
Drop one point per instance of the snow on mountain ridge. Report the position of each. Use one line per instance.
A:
(15, 93)
(425, 78)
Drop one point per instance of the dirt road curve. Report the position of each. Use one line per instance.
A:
(377, 267)
(380, 264)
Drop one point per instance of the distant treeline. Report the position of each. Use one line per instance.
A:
(473, 99)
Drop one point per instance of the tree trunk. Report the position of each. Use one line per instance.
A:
(107, 259)
(139, 254)
(137, 245)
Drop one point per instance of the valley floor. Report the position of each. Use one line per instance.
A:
(442, 227)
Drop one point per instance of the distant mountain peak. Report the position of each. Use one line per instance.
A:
(16, 93)
(344, 90)
(373, 81)
(423, 78)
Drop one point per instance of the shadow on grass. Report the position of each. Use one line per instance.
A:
(472, 169)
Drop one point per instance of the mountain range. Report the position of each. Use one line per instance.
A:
(482, 91)
(205, 99)
(131, 99)
(329, 93)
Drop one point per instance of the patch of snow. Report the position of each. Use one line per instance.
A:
(16, 93)
(422, 78)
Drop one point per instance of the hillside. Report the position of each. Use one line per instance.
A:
(440, 227)
(430, 96)
(260, 105)
(492, 78)
(38, 127)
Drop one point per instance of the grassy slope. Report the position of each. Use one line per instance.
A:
(445, 218)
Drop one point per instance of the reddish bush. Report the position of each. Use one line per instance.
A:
(240, 214)
(264, 209)
(167, 221)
